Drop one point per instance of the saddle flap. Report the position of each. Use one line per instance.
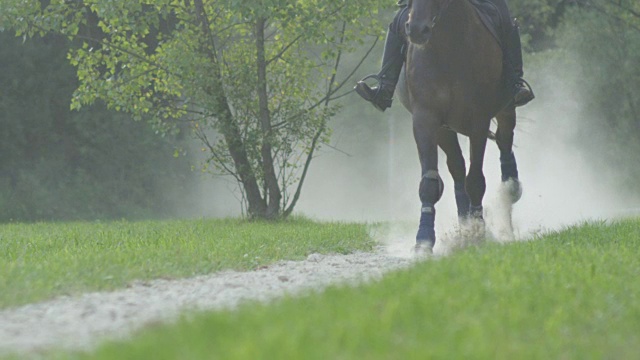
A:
(491, 18)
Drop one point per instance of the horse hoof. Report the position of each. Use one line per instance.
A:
(513, 189)
(423, 248)
(476, 213)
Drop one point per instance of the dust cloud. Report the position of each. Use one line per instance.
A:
(371, 172)
(561, 184)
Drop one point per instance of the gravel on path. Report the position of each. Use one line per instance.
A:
(80, 323)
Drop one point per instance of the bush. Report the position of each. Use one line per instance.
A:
(61, 165)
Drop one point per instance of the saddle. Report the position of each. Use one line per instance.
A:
(492, 20)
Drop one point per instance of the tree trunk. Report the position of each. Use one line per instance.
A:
(257, 206)
(271, 180)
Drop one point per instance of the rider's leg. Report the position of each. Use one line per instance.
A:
(381, 96)
(522, 93)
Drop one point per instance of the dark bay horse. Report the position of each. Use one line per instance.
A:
(454, 83)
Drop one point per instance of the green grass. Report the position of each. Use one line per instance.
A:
(39, 261)
(573, 294)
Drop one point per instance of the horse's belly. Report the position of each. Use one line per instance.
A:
(469, 114)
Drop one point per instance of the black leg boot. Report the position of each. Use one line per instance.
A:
(381, 96)
(522, 92)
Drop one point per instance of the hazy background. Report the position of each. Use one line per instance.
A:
(375, 174)
(576, 144)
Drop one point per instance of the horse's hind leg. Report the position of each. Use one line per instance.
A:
(425, 131)
(448, 141)
(475, 183)
(504, 138)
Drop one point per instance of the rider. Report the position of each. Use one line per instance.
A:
(381, 96)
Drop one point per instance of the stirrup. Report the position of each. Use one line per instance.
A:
(524, 100)
(372, 76)
(365, 90)
(373, 95)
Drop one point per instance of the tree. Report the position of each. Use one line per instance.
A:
(624, 12)
(58, 164)
(539, 20)
(604, 37)
(598, 50)
(256, 80)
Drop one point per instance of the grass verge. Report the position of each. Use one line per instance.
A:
(39, 261)
(572, 294)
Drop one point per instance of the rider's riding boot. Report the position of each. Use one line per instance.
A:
(381, 96)
(522, 92)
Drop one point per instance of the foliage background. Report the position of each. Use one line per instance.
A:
(95, 163)
(58, 164)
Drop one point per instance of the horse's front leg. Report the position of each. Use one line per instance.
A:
(504, 138)
(425, 130)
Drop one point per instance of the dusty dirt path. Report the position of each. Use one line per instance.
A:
(82, 322)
